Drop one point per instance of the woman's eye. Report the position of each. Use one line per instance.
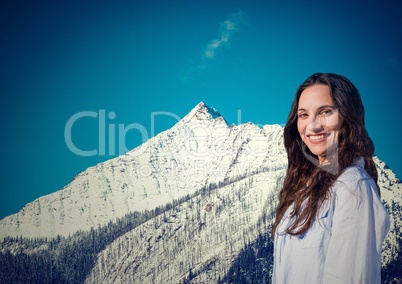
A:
(326, 112)
(302, 115)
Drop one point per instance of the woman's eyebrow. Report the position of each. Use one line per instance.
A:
(326, 106)
(321, 107)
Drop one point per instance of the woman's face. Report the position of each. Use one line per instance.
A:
(318, 121)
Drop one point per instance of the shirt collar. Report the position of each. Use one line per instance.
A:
(358, 162)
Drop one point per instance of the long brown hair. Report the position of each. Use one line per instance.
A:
(305, 182)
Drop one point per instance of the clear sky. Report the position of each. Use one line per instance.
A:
(123, 60)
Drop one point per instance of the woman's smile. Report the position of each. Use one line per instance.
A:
(316, 138)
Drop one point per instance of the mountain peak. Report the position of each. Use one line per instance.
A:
(202, 112)
(213, 112)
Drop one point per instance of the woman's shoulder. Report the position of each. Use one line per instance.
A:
(354, 180)
(355, 193)
(354, 173)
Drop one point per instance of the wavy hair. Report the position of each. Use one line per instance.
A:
(307, 185)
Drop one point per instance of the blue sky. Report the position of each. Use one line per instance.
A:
(128, 59)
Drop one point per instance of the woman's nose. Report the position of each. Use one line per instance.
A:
(315, 125)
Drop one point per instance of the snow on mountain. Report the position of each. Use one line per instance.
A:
(391, 194)
(200, 149)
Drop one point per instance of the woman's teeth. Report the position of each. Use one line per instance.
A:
(318, 137)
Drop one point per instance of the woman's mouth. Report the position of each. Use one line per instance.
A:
(318, 137)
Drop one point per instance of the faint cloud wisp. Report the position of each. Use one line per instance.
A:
(228, 29)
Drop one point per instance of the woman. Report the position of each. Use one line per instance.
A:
(330, 221)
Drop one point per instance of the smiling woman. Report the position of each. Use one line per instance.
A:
(330, 221)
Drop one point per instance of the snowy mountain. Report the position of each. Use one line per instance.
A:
(193, 204)
(200, 149)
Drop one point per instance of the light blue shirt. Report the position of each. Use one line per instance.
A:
(344, 244)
